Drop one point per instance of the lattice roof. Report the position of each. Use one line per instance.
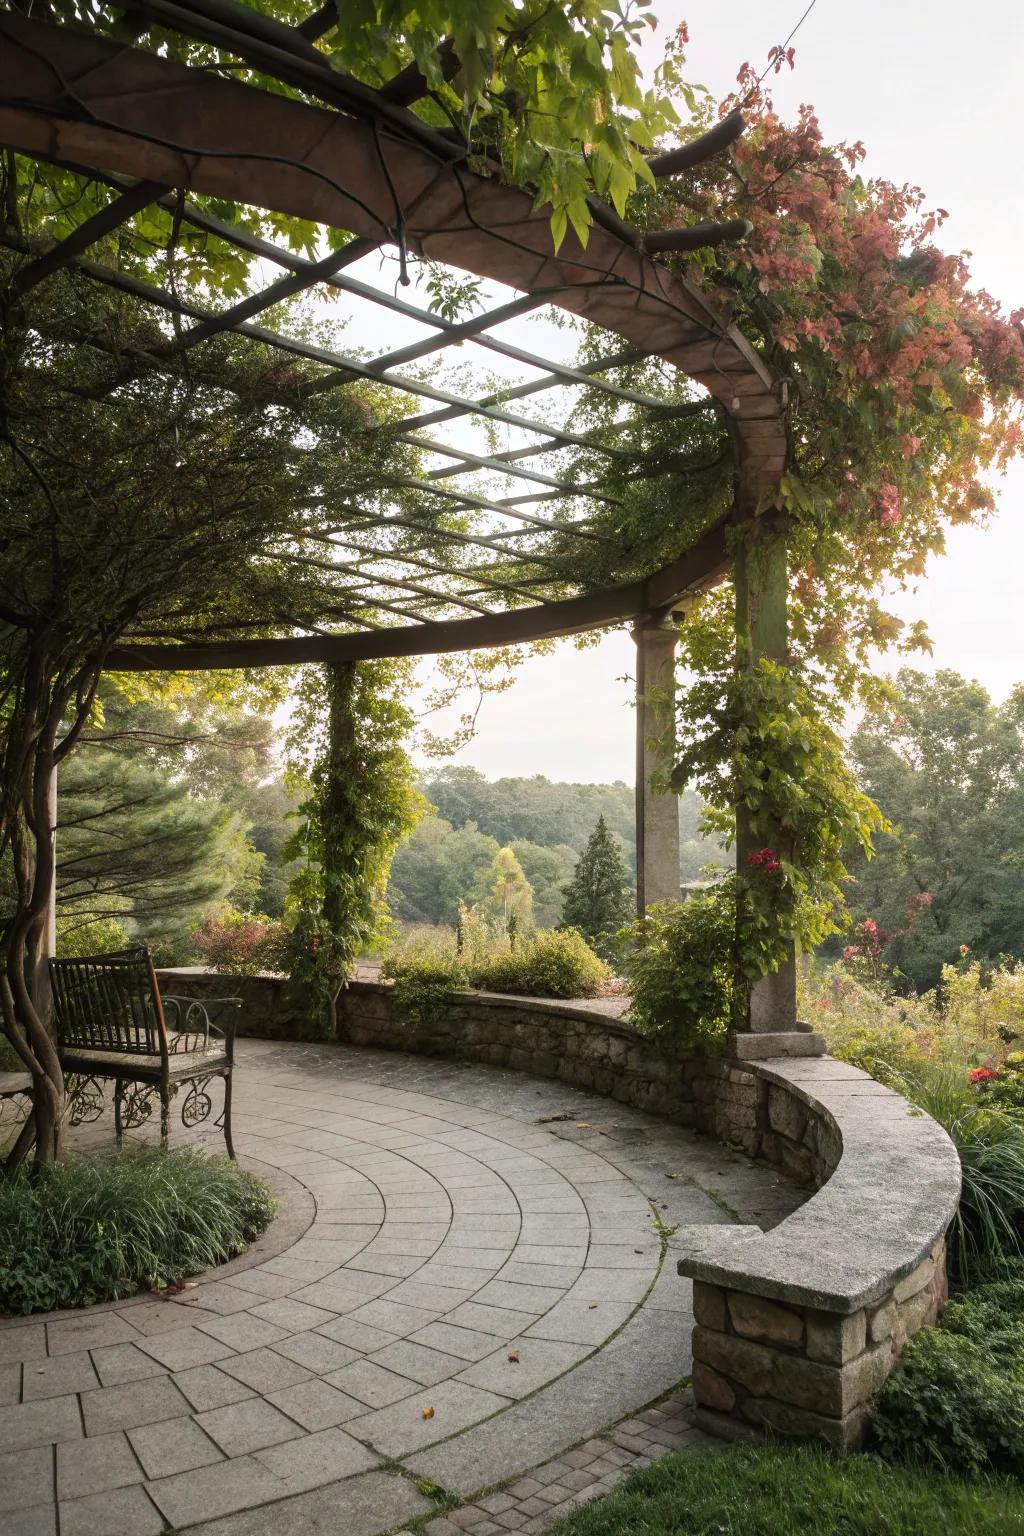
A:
(476, 547)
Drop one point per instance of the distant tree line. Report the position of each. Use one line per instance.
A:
(546, 824)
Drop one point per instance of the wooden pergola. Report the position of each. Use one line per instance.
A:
(327, 148)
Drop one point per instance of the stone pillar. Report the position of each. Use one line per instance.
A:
(761, 576)
(657, 814)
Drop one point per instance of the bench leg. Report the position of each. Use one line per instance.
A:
(165, 1111)
(118, 1116)
(229, 1078)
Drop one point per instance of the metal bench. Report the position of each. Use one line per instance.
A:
(113, 1022)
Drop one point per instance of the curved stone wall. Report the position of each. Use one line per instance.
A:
(798, 1327)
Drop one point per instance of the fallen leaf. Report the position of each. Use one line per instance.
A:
(428, 1413)
(638, 1250)
(592, 1307)
(513, 1356)
(584, 1125)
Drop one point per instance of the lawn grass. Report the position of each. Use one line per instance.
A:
(797, 1491)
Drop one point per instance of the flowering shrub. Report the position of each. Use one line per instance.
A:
(950, 1052)
(1001, 1086)
(242, 944)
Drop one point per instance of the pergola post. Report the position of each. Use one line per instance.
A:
(761, 577)
(657, 812)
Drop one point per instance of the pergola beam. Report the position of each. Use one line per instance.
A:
(234, 140)
(698, 568)
(100, 224)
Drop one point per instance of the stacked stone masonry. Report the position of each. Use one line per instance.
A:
(800, 1371)
(796, 1329)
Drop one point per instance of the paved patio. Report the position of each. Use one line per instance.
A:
(462, 1316)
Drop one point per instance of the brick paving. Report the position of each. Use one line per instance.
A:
(460, 1290)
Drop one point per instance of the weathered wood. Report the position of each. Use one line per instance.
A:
(233, 140)
(700, 567)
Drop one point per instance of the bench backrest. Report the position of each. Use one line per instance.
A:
(109, 1003)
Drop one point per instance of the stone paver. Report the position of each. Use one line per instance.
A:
(455, 1283)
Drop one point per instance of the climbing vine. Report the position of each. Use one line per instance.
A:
(760, 744)
(346, 747)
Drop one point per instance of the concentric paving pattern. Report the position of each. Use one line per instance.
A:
(459, 1283)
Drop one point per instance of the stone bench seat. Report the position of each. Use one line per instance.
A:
(798, 1327)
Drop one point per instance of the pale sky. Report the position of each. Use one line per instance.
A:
(934, 90)
(935, 94)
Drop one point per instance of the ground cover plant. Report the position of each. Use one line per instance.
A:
(96, 1228)
(796, 1491)
(956, 1400)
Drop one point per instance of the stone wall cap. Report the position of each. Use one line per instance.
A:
(886, 1206)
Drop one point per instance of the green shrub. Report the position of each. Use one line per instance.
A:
(680, 972)
(956, 1400)
(796, 1491)
(554, 963)
(425, 974)
(92, 1229)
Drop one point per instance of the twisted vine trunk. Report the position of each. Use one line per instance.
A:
(45, 720)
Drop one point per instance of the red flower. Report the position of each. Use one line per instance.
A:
(981, 1075)
(766, 859)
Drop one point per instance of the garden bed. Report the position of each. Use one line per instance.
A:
(101, 1228)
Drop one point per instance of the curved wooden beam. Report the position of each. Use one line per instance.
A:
(77, 97)
(700, 567)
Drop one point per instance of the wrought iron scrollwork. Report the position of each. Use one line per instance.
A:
(137, 1100)
(15, 1109)
(197, 1104)
(84, 1102)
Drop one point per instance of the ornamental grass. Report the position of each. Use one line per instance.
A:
(99, 1228)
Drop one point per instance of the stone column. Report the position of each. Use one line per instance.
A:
(761, 576)
(657, 814)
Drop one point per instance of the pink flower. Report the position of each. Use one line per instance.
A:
(888, 504)
(965, 949)
(910, 444)
(850, 952)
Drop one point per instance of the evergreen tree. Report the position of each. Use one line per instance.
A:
(598, 899)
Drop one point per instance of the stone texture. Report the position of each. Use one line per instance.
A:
(709, 1306)
(117, 1512)
(835, 1339)
(712, 1389)
(766, 1321)
(26, 1478)
(93, 1465)
(43, 1423)
(415, 1173)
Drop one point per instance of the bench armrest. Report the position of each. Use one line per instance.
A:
(190, 1016)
